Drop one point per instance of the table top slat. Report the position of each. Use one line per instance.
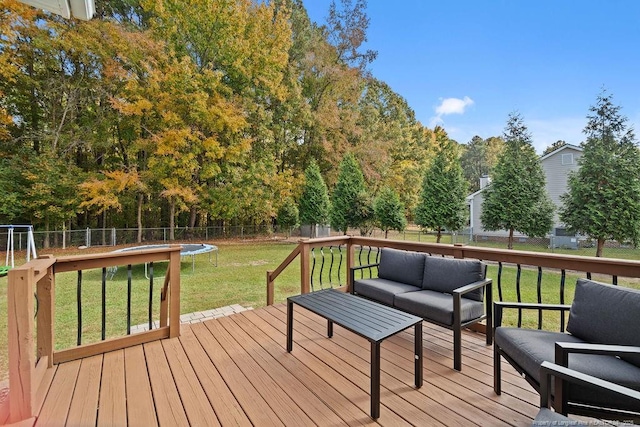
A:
(361, 316)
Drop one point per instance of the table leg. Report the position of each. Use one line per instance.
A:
(329, 328)
(289, 326)
(375, 380)
(418, 354)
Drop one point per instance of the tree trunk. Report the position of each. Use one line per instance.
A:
(193, 217)
(139, 216)
(386, 233)
(600, 247)
(104, 228)
(46, 243)
(172, 213)
(439, 235)
(510, 245)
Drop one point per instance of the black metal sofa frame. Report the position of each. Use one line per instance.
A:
(452, 293)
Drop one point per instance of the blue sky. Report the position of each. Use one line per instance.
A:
(467, 64)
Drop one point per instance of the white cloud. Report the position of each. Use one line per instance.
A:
(453, 106)
(449, 106)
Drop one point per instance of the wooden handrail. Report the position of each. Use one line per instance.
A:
(28, 362)
(596, 265)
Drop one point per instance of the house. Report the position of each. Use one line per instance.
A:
(556, 166)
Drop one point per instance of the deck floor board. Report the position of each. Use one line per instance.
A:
(236, 371)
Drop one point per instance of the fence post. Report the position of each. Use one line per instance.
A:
(270, 288)
(46, 306)
(88, 238)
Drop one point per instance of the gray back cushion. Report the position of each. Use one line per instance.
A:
(401, 266)
(606, 314)
(446, 274)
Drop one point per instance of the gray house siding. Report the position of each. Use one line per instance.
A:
(556, 166)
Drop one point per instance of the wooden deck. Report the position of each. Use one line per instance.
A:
(236, 371)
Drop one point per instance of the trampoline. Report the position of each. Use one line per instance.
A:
(186, 249)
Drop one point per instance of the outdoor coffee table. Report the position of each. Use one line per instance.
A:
(363, 317)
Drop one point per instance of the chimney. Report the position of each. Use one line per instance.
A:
(484, 181)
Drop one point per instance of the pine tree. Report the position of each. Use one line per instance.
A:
(389, 211)
(603, 199)
(442, 201)
(314, 202)
(516, 199)
(288, 215)
(345, 210)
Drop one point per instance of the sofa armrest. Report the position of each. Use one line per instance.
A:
(352, 272)
(472, 287)
(499, 306)
(563, 349)
(548, 369)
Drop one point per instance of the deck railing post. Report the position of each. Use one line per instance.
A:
(270, 288)
(174, 293)
(21, 344)
(46, 313)
(305, 275)
(350, 258)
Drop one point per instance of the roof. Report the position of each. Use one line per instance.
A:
(557, 150)
(81, 9)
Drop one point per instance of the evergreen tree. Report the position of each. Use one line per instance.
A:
(389, 211)
(516, 199)
(345, 211)
(442, 201)
(314, 202)
(603, 199)
(288, 215)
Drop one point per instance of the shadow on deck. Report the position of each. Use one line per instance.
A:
(235, 371)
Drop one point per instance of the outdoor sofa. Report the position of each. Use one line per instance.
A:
(453, 293)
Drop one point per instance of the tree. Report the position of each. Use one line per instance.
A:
(442, 201)
(553, 147)
(288, 215)
(478, 158)
(603, 199)
(314, 202)
(516, 199)
(389, 211)
(346, 195)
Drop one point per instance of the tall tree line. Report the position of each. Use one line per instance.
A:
(192, 112)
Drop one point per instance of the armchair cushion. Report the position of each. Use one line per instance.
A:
(606, 314)
(437, 306)
(401, 266)
(530, 347)
(446, 274)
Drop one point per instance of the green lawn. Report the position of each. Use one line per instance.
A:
(239, 278)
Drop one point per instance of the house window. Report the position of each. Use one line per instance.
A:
(567, 159)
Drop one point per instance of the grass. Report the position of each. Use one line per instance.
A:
(239, 278)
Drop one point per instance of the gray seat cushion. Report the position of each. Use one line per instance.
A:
(381, 290)
(530, 347)
(606, 314)
(401, 266)
(437, 306)
(447, 274)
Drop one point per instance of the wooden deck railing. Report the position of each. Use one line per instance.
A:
(502, 259)
(31, 354)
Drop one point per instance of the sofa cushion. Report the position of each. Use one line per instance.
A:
(381, 290)
(606, 314)
(437, 306)
(447, 274)
(401, 266)
(530, 347)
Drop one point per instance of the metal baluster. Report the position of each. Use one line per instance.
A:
(519, 294)
(129, 299)
(104, 303)
(321, 266)
(150, 295)
(79, 301)
(563, 277)
(340, 265)
(331, 267)
(540, 297)
(500, 280)
(615, 280)
(313, 267)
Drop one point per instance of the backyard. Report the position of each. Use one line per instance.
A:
(238, 278)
